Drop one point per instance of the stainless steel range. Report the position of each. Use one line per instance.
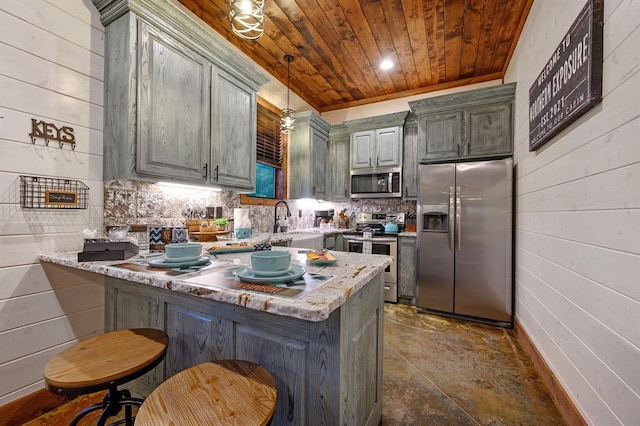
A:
(377, 241)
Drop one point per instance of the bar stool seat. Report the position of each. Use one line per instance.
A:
(105, 362)
(228, 392)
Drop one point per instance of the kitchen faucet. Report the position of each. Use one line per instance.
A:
(275, 214)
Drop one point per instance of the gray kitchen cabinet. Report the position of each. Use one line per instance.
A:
(410, 158)
(130, 309)
(472, 124)
(308, 154)
(489, 130)
(442, 136)
(173, 108)
(362, 149)
(339, 163)
(334, 241)
(376, 148)
(376, 141)
(176, 99)
(233, 133)
(407, 258)
(329, 370)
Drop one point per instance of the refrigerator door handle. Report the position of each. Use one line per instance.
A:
(451, 200)
(458, 219)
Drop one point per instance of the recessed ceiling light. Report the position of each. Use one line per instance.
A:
(387, 64)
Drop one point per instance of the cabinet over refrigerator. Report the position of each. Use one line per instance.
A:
(465, 240)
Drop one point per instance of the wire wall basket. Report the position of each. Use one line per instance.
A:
(37, 192)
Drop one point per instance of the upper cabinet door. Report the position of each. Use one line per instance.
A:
(489, 130)
(362, 149)
(233, 133)
(388, 147)
(440, 136)
(173, 108)
(320, 146)
(339, 166)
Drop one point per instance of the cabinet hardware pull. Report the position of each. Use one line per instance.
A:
(377, 164)
(369, 161)
(345, 193)
(215, 174)
(204, 171)
(313, 190)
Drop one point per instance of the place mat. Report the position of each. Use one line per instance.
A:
(292, 290)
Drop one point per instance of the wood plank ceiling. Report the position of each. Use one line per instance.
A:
(338, 45)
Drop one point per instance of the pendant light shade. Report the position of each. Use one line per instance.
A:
(247, 18)
(287, 115)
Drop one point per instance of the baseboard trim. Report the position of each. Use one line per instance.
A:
(29, 407)
(565, 405)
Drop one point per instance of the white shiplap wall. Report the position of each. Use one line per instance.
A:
(51, 69)
(578, 220)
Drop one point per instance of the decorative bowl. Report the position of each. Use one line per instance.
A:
(243, 233)
(268, 260)
(183, 250)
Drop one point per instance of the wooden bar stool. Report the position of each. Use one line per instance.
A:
(229, 392)
(105, 362)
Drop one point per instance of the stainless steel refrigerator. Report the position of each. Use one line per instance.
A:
(465, 240)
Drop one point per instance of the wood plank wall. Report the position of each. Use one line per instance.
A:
(578, 220)
(51, 69)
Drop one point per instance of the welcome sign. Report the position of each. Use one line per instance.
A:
(570, 84)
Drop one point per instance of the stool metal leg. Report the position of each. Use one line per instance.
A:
(111, 406)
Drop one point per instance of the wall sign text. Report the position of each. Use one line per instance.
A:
(570, 84)
(49, 132)
(60, 198)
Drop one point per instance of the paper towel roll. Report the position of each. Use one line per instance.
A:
(241, 219)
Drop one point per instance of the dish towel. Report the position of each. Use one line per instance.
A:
(366, 247)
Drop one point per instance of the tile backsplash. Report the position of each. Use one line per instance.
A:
(128, 202)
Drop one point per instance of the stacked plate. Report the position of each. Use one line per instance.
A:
(247, 274)
(179, 262)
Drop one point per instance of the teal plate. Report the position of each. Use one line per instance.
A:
(251, 271)
(180, 259)
(161, 263)
(295, 272)
(224, 250)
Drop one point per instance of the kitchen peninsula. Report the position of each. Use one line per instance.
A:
(321, 340)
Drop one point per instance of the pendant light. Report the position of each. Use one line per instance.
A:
(287, 115)
(247, 18)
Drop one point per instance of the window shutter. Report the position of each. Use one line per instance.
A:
(269, 148)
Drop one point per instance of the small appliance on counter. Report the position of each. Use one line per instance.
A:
(106, 249)
(321, 217)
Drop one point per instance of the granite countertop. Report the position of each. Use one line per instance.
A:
(350, 273)
(275, 237)
(408, 234)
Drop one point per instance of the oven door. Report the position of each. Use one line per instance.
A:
(381, 245)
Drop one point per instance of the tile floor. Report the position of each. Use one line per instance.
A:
(440, 371)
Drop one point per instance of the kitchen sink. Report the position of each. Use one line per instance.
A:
(306, 240)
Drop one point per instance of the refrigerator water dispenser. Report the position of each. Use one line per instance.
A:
(435, 218)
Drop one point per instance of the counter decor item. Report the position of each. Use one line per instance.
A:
(320, 258)
(241, 223)
(105, 249)
(220, 224)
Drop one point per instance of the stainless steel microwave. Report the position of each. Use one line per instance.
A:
(376, 183)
